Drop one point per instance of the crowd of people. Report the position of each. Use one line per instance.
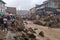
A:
(4, 20)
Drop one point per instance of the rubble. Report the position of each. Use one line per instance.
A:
(35, 28)
(21, 33)
(31, 30)
(41, 34)
(50, 21)
(2, 35)
(39, 22)
(48, 39)
(24, 35)
(19, 24)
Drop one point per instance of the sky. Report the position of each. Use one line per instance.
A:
(22, 4)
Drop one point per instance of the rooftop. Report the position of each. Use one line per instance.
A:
(2, 1)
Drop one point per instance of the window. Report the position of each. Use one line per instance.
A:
(3, 5)
(2, 10)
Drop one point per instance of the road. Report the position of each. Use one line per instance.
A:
(50, 33)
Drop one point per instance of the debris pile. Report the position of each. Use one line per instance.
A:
(2, 35)
(19, 32)
(39, 22)
(24, 35)
(50, 21)
(41, 34)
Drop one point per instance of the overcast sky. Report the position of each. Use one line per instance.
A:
(22, 4)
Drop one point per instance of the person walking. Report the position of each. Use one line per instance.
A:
(12, 21)
(5, 24)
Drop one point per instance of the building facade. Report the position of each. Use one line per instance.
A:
(48, 7)
(2, 7)
(11, 10)
(24, 14)
(32, 13)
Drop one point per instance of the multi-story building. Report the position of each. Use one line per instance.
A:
(2, 7)
(11, 10)
(24, 14)
(32, 13)
(54, 3)
(48, 7)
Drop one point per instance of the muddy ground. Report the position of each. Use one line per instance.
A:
(49, 33)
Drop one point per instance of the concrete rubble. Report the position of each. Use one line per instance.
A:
(50, 21)
(19, 32)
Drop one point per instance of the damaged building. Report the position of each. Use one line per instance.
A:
(48, 8)
(48, 13)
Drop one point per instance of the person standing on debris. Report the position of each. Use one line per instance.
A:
(12, 21)
(5, 24)
(50, 23)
